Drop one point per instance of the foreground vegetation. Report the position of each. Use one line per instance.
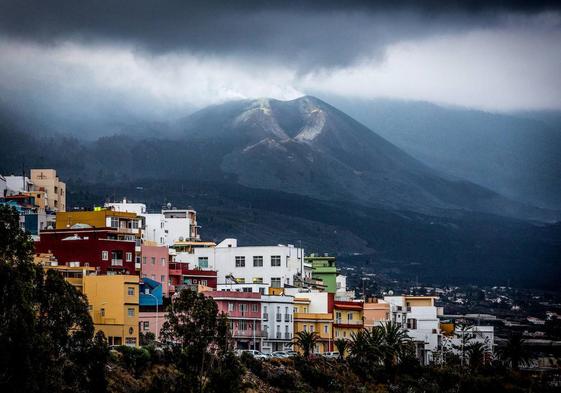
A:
(47, 344)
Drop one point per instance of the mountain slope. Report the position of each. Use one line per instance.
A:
(308, 147)
(515, 155)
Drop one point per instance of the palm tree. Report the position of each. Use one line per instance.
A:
(342, 345)
(514, 352)
(476, 354)
(306, 341)
(396, 344)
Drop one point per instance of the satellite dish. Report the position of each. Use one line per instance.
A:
(168, 205)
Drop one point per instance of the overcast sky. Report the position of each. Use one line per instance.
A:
(147, 58)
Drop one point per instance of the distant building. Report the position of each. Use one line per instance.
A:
(18, 184)
(47, 181)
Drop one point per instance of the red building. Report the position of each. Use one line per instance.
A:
(244, 315)
(89, 247)
(181, 276)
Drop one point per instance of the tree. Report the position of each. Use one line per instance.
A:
(366, 348)
(514, 353)
(396, 344)
(465, 332)
(199, 339)
(342, 345)
(306, 341)
(476, 354)
(45, 328)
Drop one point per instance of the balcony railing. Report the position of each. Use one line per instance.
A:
(249, 333)
(339, 321)
(116, 262)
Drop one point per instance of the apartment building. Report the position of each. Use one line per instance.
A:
(419, 315)
(376, 312)
(313, 312)
(347, 318)
(82, 245)
(155, 265)
(278, 322)
(276, 266)
(244, 316)
(46, 180)
(167, 227)
(113, 300)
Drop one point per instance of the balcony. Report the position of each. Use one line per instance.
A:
(265, 316)
(288, 336)
(137, 266)
(279, 335)
(116, 262)
(249, 333)
(339, 321)
(287, 317)
(279, 317)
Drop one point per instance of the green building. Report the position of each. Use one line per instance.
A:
(324, 268)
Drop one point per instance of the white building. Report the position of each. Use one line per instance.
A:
(167, 227)
(419, 315)
(278, 326)
(18, 184)
(3, 187)
(472, 334)
(276, 266)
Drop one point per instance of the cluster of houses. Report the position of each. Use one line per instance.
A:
(130, 263)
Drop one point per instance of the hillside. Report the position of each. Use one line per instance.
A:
(516, 155)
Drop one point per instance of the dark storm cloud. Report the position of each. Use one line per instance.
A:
(303, 34)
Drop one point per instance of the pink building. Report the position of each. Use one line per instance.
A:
(155, 265)
(150, 321)
(244, 314)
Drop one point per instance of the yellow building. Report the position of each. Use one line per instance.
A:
(348, 318)
(122, 223)
(319, 322)
(114, 306)
(46, 180)
(113, 300)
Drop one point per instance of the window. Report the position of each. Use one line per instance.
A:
(146, 325)
(257, 261)
(262, 291)
(350, 316)
(129, 256)
(114, 222)
(305, 328)
(240, 261)
(154, 277)
(275, 282)
(105, 255)
(130, 341)
(102, 312)
(130, 312)
(254, 307)
(242, 325)
(275, 260)
(204, 282)
(162, 278)
(230, 307)
(325, 328)
(144, 260)
(130, 291)
(203, 262)
(311, 328)
(258, 280)
(163, 261)
(246, 289)
(243, 308)
(153, 260)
